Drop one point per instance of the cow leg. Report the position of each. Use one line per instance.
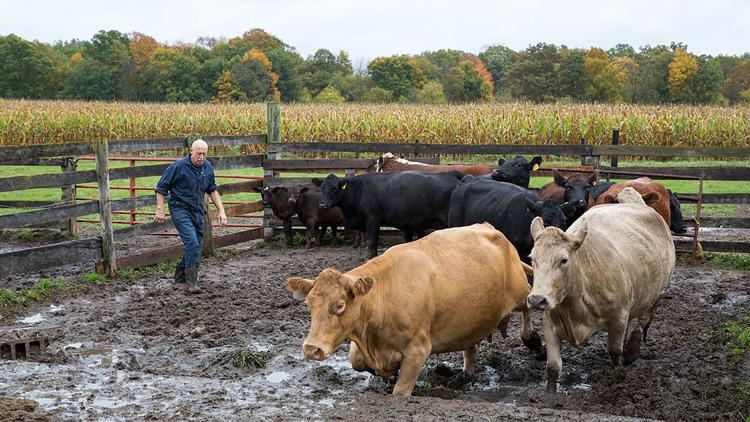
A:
(334, 241)
(632, 349)
(373, 231)
(647, 318)
(529, 337)
(615, 339)
(412, 361)
(470, 360)
(312, 228)
(554, 359)
(288, 231)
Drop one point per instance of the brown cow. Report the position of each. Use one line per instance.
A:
(607, 272)
(443, 293)
(654, 194)
(312, 216)
(389, 162)
(284, 207)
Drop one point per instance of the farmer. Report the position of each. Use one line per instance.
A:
(185, 181)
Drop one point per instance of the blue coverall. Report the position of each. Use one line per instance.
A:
(185, 184)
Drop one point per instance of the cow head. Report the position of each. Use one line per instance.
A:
(552, 213)
(279, 195)
(677, 225)
(577, 187)
(629, 197)
(334, 301)
(553, 256)
(332, 188)
(516, 171)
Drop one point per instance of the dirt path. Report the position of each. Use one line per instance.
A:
(142, 350)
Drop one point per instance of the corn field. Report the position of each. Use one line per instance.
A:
(35, 122)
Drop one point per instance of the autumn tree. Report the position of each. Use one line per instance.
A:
(398, 74)
(681, 70)
(170, 75)
(226, 89)
(498, 59)
(737, 81)
(254, 77)
(469, 81)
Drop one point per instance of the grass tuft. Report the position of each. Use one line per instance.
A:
(245, 357)
(740, 332)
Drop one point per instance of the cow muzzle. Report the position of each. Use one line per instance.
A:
(537, 302)
(313, 352)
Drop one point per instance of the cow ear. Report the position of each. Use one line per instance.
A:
(651, 198)
(535, 163)
(500, 162)
(316, 181)
(609, 199)
(576, 240)
(299, 286)
(537, 226)
(361, 286)
(594, 177)
(303, 190)
(559, 179)
(532, 205)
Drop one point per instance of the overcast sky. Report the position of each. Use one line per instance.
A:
(385, 27)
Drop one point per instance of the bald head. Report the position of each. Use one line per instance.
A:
(198, 152)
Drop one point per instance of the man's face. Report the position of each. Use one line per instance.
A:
(198, 154)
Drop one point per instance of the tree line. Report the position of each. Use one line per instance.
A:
(258, 66)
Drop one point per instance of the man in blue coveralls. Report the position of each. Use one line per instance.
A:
(185, 182)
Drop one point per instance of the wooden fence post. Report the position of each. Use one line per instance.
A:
(273, 136)
(105, 207)
(615, 141)
(69, 194)
(589, 160)
(209, 247)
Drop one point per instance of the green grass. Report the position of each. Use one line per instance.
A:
(44, 289)
(245, 357)
(735, 261)
(739, 331)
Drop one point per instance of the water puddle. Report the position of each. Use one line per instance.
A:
(277, 376)
(34, 319)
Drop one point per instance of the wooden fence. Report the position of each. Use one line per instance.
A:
(100, 248)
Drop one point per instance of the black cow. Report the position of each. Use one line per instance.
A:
(677, 225)
(411, 201)
(516, 171)
(599, 189)
(572, 189)
(284, 207)
(509, 208)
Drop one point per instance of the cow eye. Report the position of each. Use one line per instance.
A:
(563, 261)
(338, 309)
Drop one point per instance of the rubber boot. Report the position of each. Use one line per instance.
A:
(179, 275)
(191, 277)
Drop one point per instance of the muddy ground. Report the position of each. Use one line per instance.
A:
(142, 350)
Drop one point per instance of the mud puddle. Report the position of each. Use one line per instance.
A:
(144, 350)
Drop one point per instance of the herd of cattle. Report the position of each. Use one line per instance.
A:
(601, 257)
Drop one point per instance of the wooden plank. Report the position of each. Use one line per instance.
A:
(105, 208)
(335, 164)
(58, 180)
(149, 258)
(246, 186)
(710, 173)
(138, 171)
(43, 257)
(68, 195)
(159, 255)
(142, 229)
(670, 151)
(236, 161)
(19, 153)
(383, 147)
(727, 222)
(288, 182)
(26, 204)
(51, 214)
(238, 237)
(241, 209)
(726, 198)
(50, 162)
(715, 246)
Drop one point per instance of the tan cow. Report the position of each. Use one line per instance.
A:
(609, 268)
(442, 293)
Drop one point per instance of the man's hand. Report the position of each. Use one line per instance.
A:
(159, 218)
(222, 218)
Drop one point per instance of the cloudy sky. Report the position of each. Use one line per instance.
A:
(385, 27)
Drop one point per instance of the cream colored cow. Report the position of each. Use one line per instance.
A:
(445, 292)
(609, 268)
